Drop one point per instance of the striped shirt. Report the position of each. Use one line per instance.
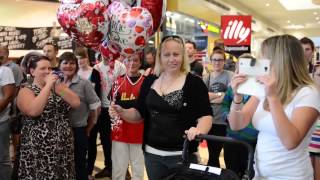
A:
(314, 145)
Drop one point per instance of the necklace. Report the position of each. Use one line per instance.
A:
(167, 88)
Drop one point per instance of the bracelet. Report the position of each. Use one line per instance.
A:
(62, 93)
(237, 102)
(236, 107)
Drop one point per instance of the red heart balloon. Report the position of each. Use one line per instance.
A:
(129, 27)
(109, 50)
(157, 8)
(86, 22)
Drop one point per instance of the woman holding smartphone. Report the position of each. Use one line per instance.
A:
(285, 116)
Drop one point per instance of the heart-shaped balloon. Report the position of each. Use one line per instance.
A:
(86, 22)
(70, 1)
(109, 50)
(130, 28)
(128, 2)
(158, 10)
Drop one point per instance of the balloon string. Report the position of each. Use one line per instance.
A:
(115, 122)
(138, 3)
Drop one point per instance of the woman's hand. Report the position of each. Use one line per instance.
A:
(269, 82)
(236, 80)
(115, 110)
(192, 133)
(51, 78)
(60, 87)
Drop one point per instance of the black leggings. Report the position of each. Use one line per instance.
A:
(215, 148)
(103, 127)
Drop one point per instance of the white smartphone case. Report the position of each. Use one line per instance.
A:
(251, 86)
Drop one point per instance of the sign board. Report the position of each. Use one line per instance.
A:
(30, 38)
(236, 33)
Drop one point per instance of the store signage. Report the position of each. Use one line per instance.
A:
(30, 38)
(236, 30)
(208, 28)
(236, 34)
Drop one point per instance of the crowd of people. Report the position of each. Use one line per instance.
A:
(144, 106)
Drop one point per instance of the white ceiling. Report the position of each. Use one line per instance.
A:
(24, 13)
(299, 22)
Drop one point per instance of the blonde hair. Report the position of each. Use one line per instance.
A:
(288, 64)
(185, 66)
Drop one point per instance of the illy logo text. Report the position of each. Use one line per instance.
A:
(236, 30)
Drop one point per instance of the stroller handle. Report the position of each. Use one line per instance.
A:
(201, 137)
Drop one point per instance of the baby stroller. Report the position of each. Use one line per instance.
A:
(187, 171)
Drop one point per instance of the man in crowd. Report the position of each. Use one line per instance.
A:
(18, 77)
(109, 71)
(195, 66)
(308, 47)
(51, 51)
(7, 92)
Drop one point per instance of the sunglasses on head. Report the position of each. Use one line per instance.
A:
(175, 37)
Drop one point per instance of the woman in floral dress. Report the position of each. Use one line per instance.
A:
(46, 143)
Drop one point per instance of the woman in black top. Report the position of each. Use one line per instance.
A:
(172, 102)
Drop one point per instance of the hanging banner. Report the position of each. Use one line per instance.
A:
(236, 34)
(31, 38)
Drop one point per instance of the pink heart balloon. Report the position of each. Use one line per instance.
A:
(130, 28)
(86, 22)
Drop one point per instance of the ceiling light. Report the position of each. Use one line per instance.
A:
(317, 18)
(288, 21)
(267, 4)
(317, 2)
(298, 4)
(315, 13)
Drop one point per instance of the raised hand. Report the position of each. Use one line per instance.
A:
(270, 83)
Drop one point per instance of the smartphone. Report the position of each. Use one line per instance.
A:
(59, 74)
(253, 68)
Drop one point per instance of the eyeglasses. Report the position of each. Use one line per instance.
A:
(216, 60)
(173, 37)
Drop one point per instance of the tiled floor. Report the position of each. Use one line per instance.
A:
(203, 151)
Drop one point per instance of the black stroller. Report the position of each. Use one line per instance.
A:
(187, 171)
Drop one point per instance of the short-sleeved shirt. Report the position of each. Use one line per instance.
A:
(88, 101)
(218, 84)
(108, 76)
(17, 73)
(196, 68)
(6, 78)
(272, 159)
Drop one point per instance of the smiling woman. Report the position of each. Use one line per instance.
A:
(172, 103)
(83, 118)
(46, 149)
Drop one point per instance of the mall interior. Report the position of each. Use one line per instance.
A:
(27, 25)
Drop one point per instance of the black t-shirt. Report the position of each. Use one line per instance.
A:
(196, 68)
(195, 105)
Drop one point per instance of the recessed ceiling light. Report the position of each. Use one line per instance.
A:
(315, 13)
(317, 18)
(267, 4)
(288, 21)
(319, 22)
(291, 5)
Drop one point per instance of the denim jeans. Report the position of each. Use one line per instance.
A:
(159, 166)
(5, 164)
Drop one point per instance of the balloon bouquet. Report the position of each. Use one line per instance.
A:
(112, 27)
